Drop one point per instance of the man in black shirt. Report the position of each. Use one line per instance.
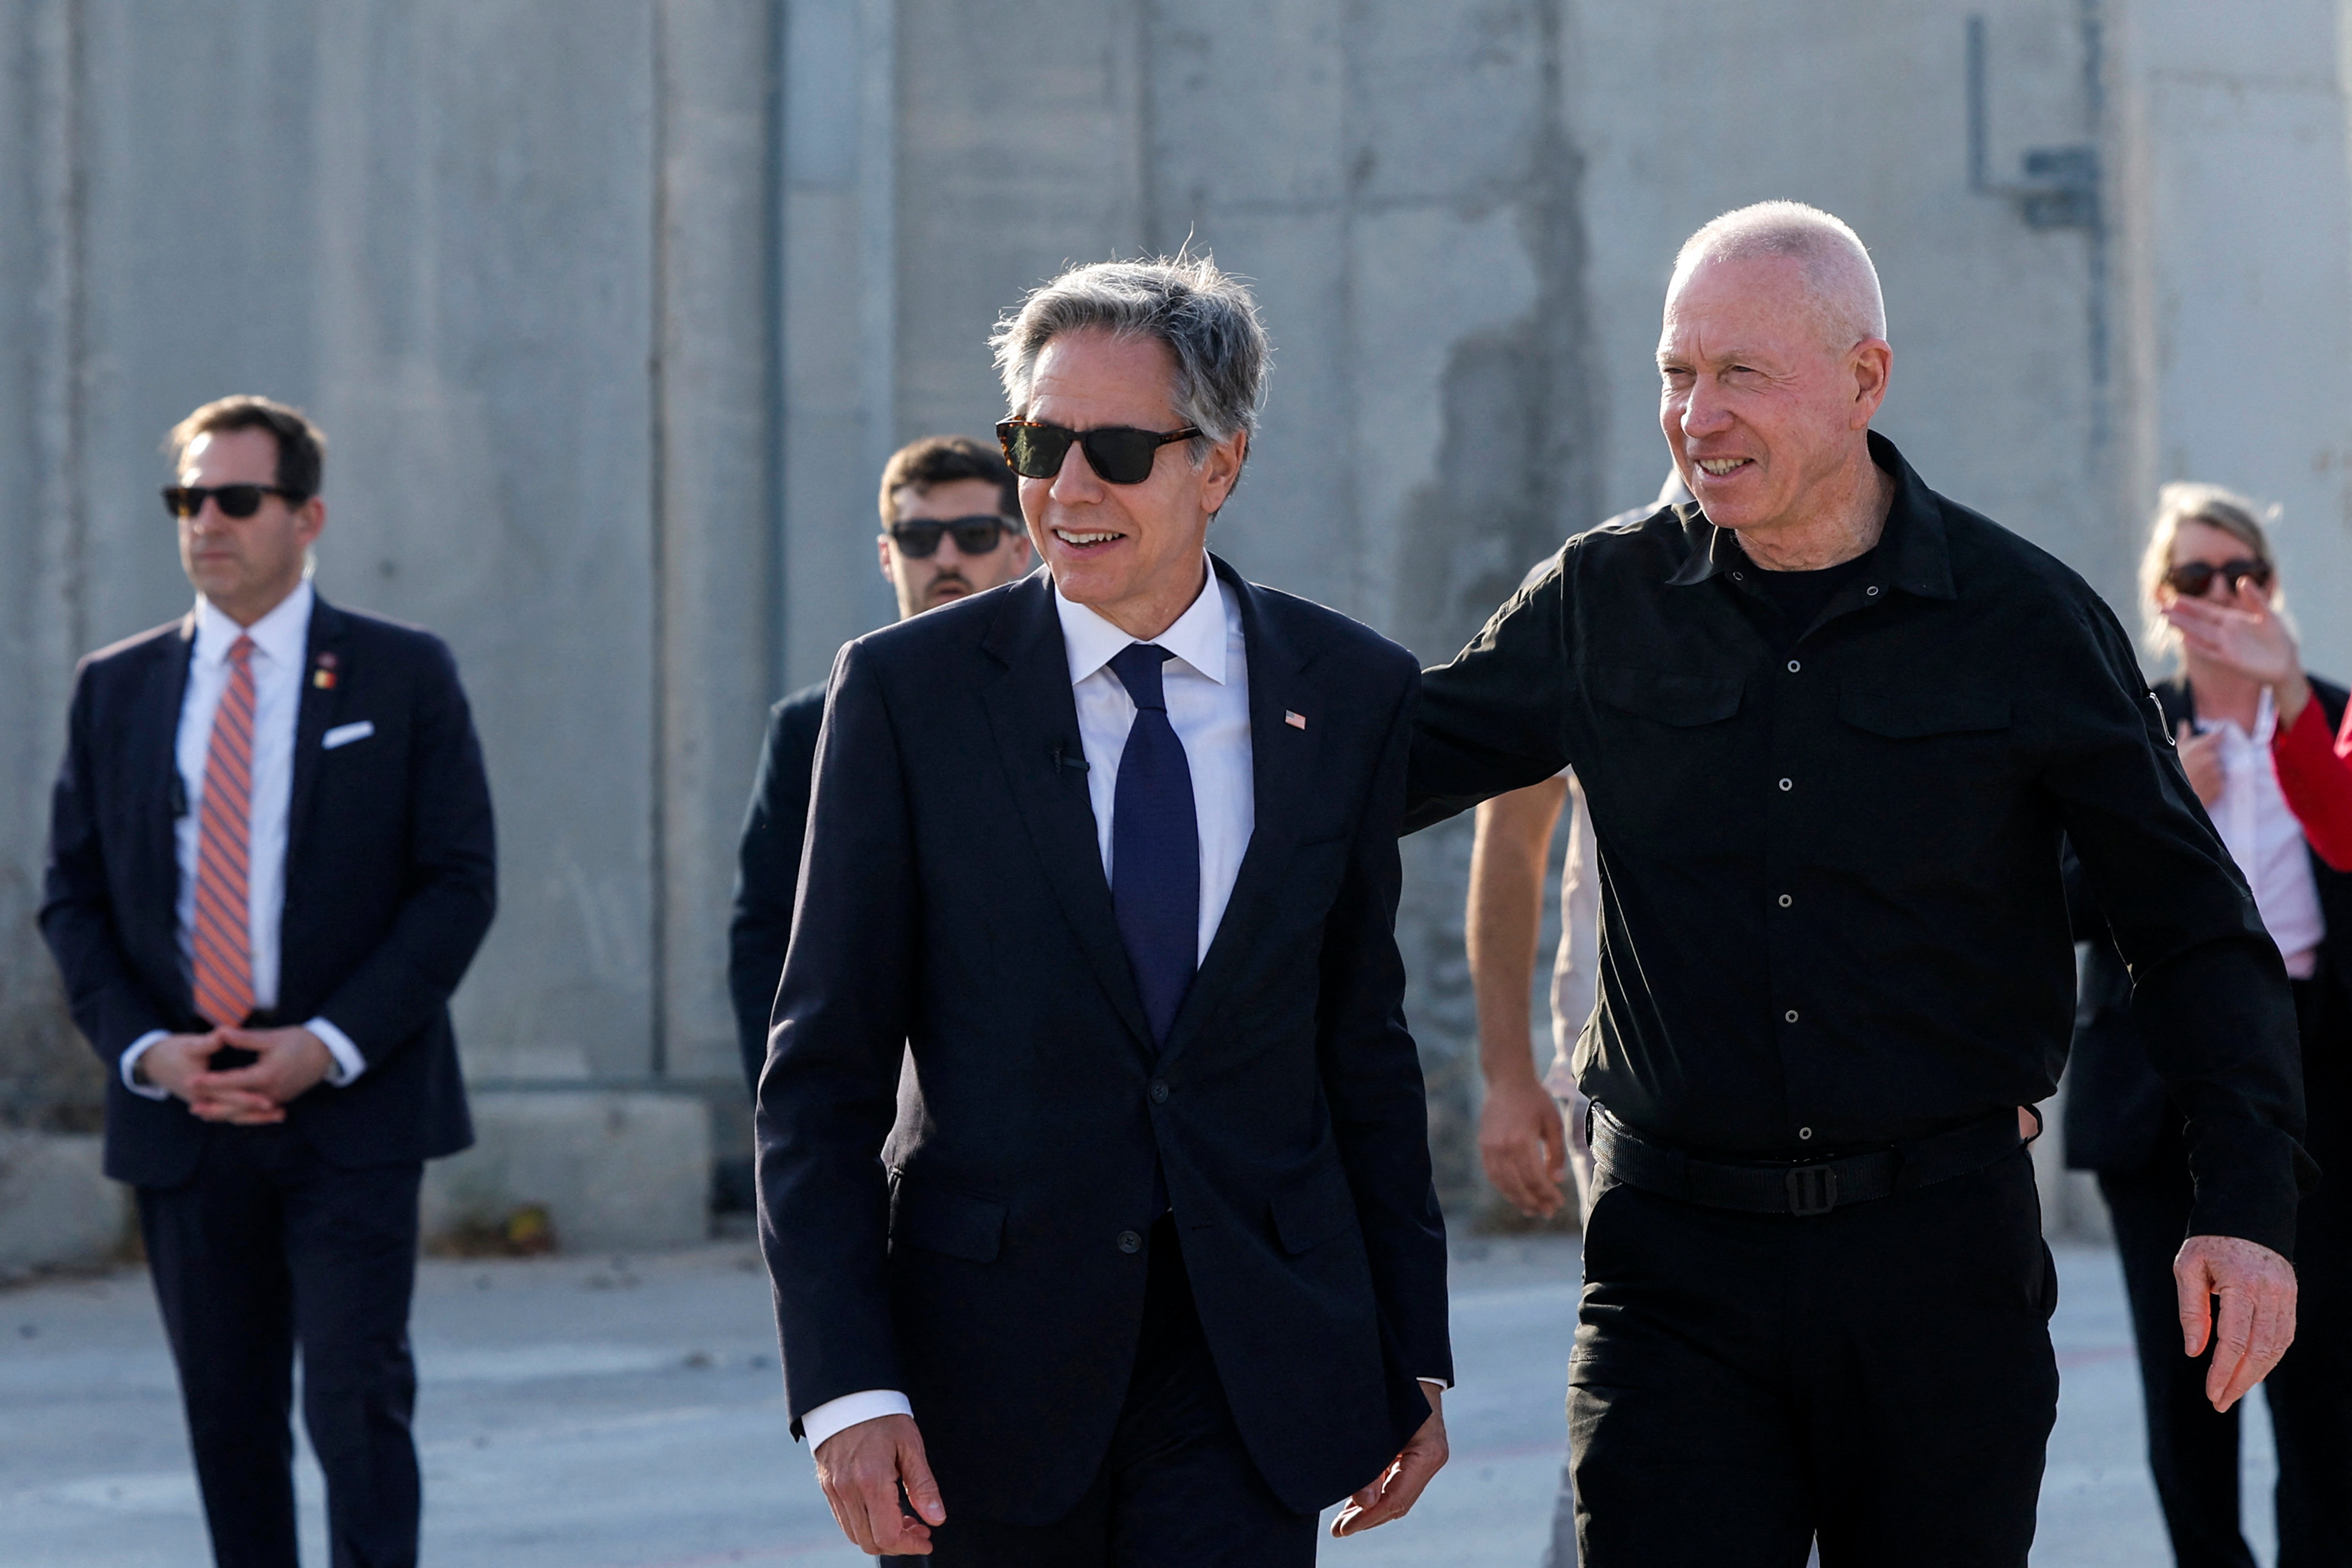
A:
(1832, 729)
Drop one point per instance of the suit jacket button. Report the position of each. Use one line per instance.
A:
(1128, 1241)
(1159, 1094)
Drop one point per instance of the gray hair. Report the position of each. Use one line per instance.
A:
(1205, 317)
(1837, 264)
(2188, 501)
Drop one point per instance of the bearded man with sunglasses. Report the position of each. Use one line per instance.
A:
(1140, 1259)
(271, 862)
(950, 527)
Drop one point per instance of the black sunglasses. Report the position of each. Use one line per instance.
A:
(235, 500)
(1118, 454)
(973, 535)
(2191, 579)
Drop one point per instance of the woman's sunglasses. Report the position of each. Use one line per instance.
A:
(235, 500)
(973, 535)
(2191, 579)
(1117, 454)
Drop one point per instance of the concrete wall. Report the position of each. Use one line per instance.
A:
(518, 260)
(613, 307)
(2234, 270)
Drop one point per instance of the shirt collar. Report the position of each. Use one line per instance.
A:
(1912, 549)
(1197, 637)
(2265, 726)
(278, 636)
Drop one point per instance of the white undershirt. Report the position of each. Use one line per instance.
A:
(2266, 840)
(280, 641)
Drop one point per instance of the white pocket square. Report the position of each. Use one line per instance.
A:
(344, 734)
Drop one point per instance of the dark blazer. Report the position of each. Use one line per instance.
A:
(390, 884)
(2116, 1107)
(976, 1239)
(768, 870)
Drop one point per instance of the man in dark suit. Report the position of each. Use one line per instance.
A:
(951, 527)
(1140, 1260)
(270, 861)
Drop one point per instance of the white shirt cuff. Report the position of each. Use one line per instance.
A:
(130, 1056)
(1437, 1382)
(349, 1063)
(849, 1410)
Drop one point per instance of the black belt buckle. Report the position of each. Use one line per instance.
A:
(1812, 1189)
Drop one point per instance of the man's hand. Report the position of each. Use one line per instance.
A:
(1524, 1144)
(183, 1064)
(1395, 1489)
(290, 1062)
(861, 1468)
(2257, 1289)
(2201, 755)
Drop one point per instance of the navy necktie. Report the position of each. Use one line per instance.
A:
(1155, 845)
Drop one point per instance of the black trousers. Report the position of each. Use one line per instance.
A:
(265, 1249)
(1177, 1490)
(1880, 1375)
(2192, 1449)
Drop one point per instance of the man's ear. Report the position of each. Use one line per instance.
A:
(1872, 362)
(1224, 465)
(882, 550)
(310, 521)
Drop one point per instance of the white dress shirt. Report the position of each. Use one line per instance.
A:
(280, 641)
(1207, 684)
(2266, 840)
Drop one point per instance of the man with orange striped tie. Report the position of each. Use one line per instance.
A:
(270, 861)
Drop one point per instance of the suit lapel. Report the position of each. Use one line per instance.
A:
(154, 762)
(1282, 759)
(315, 710)
(1035, 721)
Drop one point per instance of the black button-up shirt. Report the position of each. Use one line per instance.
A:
(1831, 909)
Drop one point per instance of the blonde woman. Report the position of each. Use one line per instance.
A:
(2242, 639)
(2210, 587)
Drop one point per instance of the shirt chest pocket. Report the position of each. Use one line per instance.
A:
(1921, 715)
(1666, 758)
(1947, 760)
(1678, 701)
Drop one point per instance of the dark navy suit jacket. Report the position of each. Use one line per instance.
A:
(390, 885)
(977, 1240)
(768, 870)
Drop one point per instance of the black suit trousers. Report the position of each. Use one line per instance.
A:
(1178, 1490)
(2192, 1449)
(1881, 1376)
(265, 1250)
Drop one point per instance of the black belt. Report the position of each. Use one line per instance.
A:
(1812, 1188)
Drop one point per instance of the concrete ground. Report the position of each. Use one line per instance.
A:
(607, 1412)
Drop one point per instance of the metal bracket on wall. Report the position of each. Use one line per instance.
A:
(2060, 188)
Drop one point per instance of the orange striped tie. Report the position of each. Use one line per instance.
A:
(224, 931)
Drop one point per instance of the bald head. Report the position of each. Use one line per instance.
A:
(1840, 281)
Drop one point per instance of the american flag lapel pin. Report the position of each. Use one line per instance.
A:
(1296, 721)
(323, 674)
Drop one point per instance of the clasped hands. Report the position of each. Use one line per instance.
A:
(290, 1062)
(864, 1467)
